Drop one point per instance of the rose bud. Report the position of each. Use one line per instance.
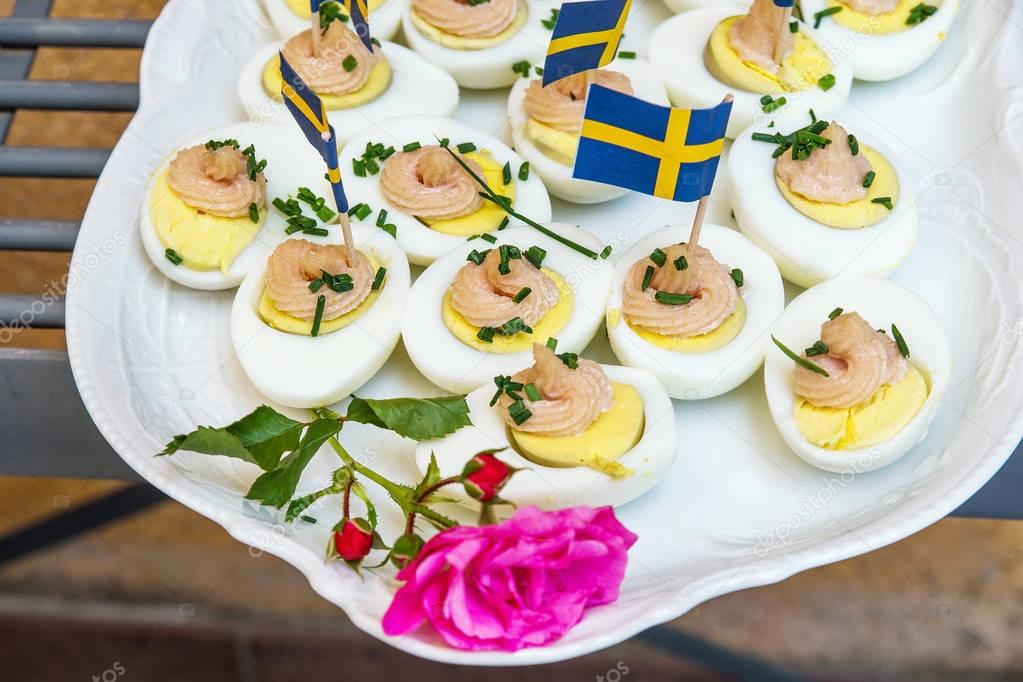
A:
(406, 548)
(484, 476)
(354, 541)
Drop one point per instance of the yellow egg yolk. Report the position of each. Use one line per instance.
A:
(378, 81)
(609, 437)
(301, 7)
(887, 412)
(284, 322)
(557, 144)
(463, 43)
(203, 241)
(800, 70)
(855, 214)
(718, 338)
(550, 325)
(487, 217)
(869, 24)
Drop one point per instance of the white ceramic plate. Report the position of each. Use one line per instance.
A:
(738, 508)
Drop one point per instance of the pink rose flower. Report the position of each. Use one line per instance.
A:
(521, 583)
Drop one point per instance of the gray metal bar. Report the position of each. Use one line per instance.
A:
(14, 65)
(48, 431)
(73, 32)
(52, 162)
(38, 235)
(64, 95)
(30, 312)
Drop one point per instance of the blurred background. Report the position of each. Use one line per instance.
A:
(167, 595)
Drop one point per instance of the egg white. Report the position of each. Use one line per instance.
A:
(806, 251)
(458, 368)
(383, 21)
(303, 371)
(291, 163)
(678, 6)
(697, 376)
(488, 68)
(559, 487)
(880, 302)
(677, 50)
(647, 85)
(423, 244)
(889, 56)
(416, 88)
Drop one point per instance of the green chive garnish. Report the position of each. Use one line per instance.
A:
(411, 147)
(854, 145)
(813, 116)
(486, 335)
(571, 360)
(659, 257)
(504, 223)
(552, 343)
(606, 253)
(826, 82)
(488, 238)
(920, 13)
(549, 23)
(316, 285)
(521, 417)
(466, 147)
(532, 393)
(536, 255)
(382, 217)
(801, 361)
(774, 105)
(349, 63)
(477, 256)
(835, 313)
(506, 175)
(868, 179)
(793, 27)
(818, 16)
(254, 213)
(764, 137)
(667, 298)
(514, 326)
(523, 292)
(900, 342)
(318, 319)
(378, 281)
(521, 68)
(884, 201)
(818, 348)
(681, 263)
(308, 519)
(316, 231)
(627, 54)
(523, 171)
(647, 276)
(738, 277)
(391, 229)
(173, 257)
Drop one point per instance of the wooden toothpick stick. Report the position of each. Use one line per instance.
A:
(783, 28)
(316, 32)
(701, 209)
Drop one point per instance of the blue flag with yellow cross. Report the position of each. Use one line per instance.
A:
(664, 151)
(311, 116)
(586, 36)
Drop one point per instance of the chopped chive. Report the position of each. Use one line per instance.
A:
(517, 406)
(868, 179)
(818, 348)
(774, 105)
(549, 23)
(538, 70)
(647, 276)
(359, 168)
(316, 285)
(466, 147)
(349, 63)
(802, 362)
(900, 341)
(254, 213)
(477, 256)
(793, 27)
(764, 137)
(378, 281)
(372, 167)
(818, 16)
(316, 231)
(835, 313)
(920, 13)
(318, 319)
(523, 171)
(826, 82)
(308, 519)
(411, 147)
(536, 255)
(659, 257)
(391, 229)
(488, 238)
(504, 223)
(506, 174)
(522, 417)
(884, 201)
(681, 263)
(813, 116)
(738, 277)
(523, 292)
(532, 393)
(504, 267)
(552, 343)
(288, 208)
(854, 145)
(667, 298)
(766, 99)
(173, 257)
(571, 360)
(325, 214)
(360, 211)
(521, 68)
(514, 326)
(486, 335)
(627, 54)
(606, 253)
(513, 252)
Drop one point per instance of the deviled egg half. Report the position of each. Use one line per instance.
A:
(314, 322)
(867, 385)
(483, 45)
(291, 16)
(546, 122)
(358, 87)
(678, 6)
(822, 200)
(707, 54)
(699, 320)
(887, 38)
(408, 174)
(206, 218)
(476, 313)
(581, 433)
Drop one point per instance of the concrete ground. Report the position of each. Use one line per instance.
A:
(167, 595)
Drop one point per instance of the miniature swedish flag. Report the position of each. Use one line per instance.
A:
(586, 36)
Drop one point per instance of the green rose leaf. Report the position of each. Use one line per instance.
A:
(415, 418)
(275, 488)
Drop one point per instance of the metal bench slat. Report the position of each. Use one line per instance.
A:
(17, 32)
(37, 312)
(67, 95)
(38, 235)
(52, 162)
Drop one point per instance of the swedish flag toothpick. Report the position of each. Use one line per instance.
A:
(311, 115)
(586, 36)
(358, 12)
